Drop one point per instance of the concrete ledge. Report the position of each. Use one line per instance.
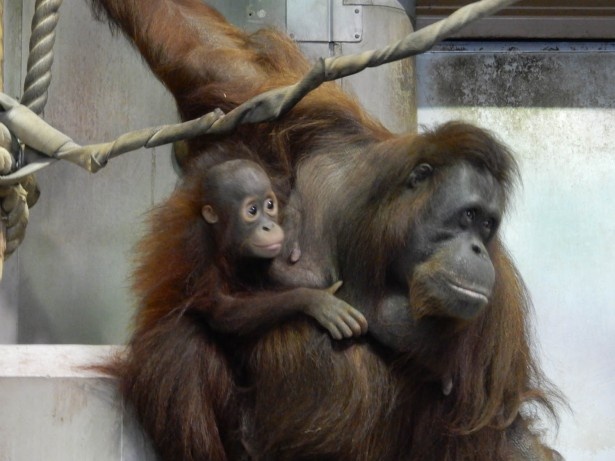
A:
(53, 408)
(56, 361)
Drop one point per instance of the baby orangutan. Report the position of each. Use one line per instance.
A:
(241, 210)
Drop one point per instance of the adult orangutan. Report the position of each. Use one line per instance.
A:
(408, 222)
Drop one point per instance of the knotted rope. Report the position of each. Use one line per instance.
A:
(14, 212)
(45, 145)
(41, 138)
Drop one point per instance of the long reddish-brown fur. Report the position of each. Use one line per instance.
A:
(387, 406)
(190, 406)
(307, 397)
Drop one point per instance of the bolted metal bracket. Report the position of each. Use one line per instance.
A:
(324, 21)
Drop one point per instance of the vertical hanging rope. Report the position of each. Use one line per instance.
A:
(38, 77)
(36, 86)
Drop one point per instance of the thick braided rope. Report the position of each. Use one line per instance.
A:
(268, 106)
(38, 78)
(40, 59)
(282, 100)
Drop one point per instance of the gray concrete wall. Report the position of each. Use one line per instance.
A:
(68, 282)
(554, 105)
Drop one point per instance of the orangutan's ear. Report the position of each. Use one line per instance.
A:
(209, 214)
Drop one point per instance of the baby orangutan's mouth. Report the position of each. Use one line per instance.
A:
(270, 247)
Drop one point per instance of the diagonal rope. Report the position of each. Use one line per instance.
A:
(48, 145)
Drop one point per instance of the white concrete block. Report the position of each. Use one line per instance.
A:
(53, 407)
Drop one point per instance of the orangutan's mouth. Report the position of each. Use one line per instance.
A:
(466, 292)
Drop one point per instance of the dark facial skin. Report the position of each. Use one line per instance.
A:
(243, 213)
(243, 205)
(448, 257)
(446, 267)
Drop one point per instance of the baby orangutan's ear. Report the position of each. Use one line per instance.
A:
(209, 214)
